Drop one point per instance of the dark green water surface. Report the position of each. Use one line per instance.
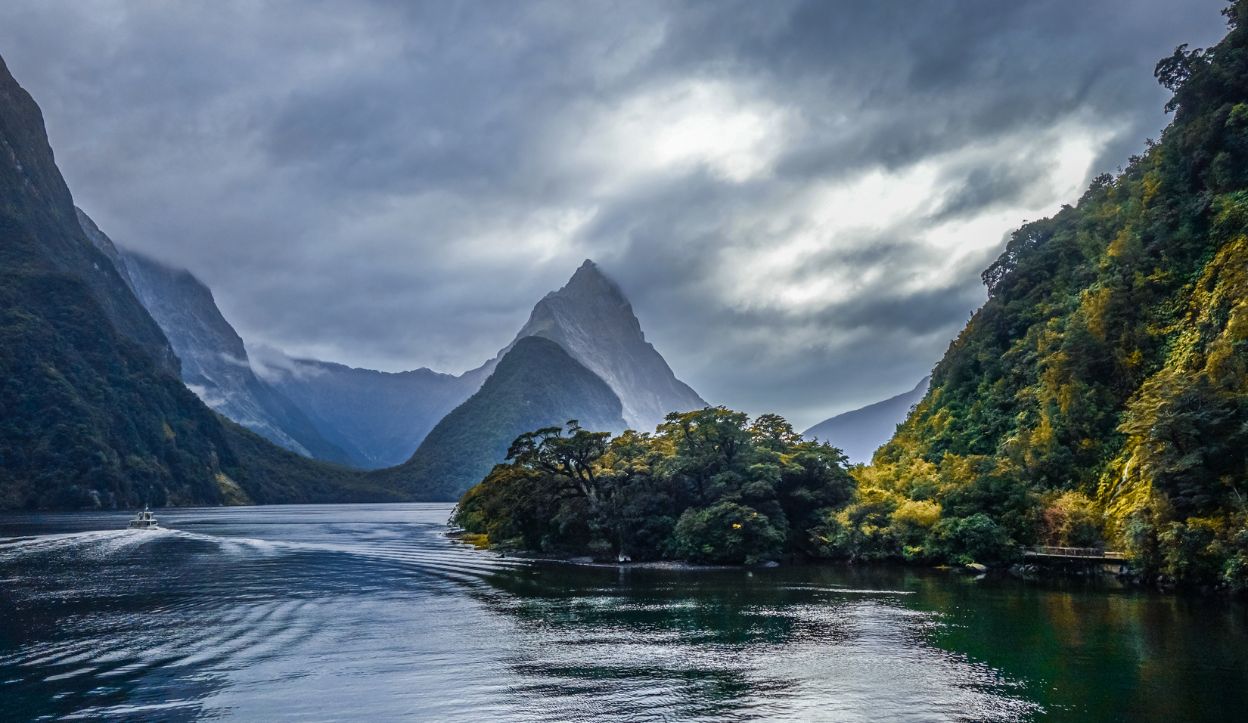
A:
(369, 613)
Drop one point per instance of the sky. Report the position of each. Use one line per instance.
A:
(797, 197)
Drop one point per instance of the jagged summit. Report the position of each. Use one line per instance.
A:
(589, 281)
(593, 321)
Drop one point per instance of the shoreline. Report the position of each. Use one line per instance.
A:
(1024, 572)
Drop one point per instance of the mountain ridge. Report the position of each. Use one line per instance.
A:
(214, 360)
(381, 418)
(536, 384)
(859, 432)
(378, 418)
(38, 194)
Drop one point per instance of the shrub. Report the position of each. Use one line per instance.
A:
(727, 533)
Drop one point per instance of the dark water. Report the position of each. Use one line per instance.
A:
(368, 613)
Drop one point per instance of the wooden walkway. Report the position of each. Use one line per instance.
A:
(1072, 554)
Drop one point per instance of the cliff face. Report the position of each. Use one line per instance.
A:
(592, 320)
(214, 360)
(35, 197)
(93, 411)
(536, 384)
(860, 432)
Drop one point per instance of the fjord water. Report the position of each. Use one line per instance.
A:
(369, 612)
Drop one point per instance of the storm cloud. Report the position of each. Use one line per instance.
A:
(797, 197)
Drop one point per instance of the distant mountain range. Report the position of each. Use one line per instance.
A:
(214, 360)
(860, 432)
(112, 364)
(102, 348)
(379, 418)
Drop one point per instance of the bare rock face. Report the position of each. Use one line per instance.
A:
(860, 432)
(214, 360)
(593, 321)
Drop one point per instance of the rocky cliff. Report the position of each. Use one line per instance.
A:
(93, 411)
(214, 360)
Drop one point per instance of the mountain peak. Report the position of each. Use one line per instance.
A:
(590, 282)
(592, 320)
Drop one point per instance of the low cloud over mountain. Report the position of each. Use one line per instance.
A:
(390, 185)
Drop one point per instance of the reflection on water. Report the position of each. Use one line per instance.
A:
(367, 612)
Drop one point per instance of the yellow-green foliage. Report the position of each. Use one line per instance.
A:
(1101, 394)
(1069, 519)
(480, 542)
(231, 493)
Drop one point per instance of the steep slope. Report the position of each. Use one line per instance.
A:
(104, 244)
(592, 320)
(214, 361)
(536, 384)
(860, 432)
(92, 410)
(1103, 388)
(36, 198)
(379, 418)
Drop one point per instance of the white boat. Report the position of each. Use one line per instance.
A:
(144, 521)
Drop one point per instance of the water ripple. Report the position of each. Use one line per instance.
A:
(370, 612)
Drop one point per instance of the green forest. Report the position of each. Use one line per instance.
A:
(707, 486)
(1099, 398)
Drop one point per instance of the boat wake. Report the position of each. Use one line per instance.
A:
(95, 543)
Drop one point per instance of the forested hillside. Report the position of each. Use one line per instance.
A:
(536, 384)
(92, 410)
(1100, 396)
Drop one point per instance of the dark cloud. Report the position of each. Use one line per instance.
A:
(798, 197)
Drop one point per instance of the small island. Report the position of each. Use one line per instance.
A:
(708, 487)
